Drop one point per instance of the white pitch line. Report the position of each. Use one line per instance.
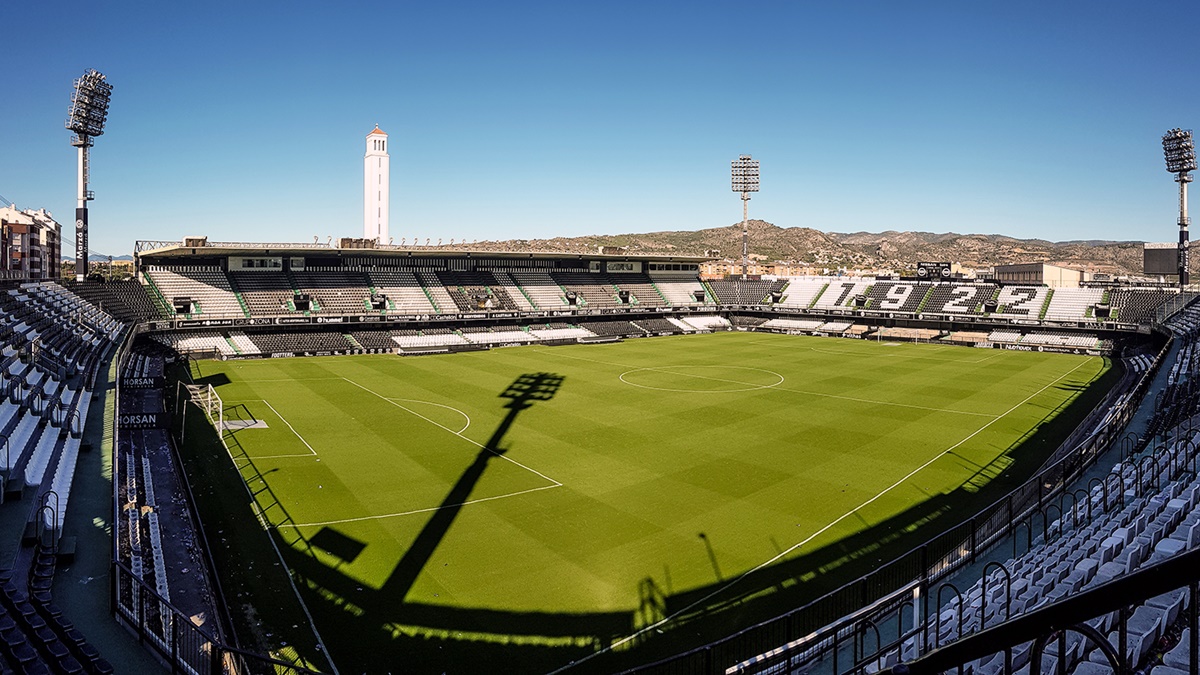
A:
(310, 453)
(447, 407)
(821, 531)
(289, 426)
(448, 429)
(426, 510)
(294, 379)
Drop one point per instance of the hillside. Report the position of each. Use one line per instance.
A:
(890, 249)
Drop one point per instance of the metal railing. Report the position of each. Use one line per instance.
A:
(186, 647)
(1053, 622)
(159, 625)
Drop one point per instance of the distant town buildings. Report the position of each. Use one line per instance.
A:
(1041, 273)
(30, 244)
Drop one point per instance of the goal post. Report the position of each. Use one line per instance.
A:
(206, 399)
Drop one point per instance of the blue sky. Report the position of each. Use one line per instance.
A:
(245, 121)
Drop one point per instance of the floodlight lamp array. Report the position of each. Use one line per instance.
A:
(745, 174)
(1179, 150)
(89, 106)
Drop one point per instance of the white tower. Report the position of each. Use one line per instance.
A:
(375, 187)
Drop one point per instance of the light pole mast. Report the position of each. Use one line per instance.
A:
(1180, 153)
(89, 110)
(745, 181)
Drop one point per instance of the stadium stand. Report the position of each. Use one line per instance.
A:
(54, 343)
(748, 322)
(840, 294)
(374, 339)
(202, 342)
(505, 281)
(706, 323)
(543, 291)
(473, 291)
(504, 336)
(442, 301)
(1050, 338)
(800, 292)
(793, 324)
(679, 292)
(1021, 302)
(207, 287)
(641, 289)
(595, 289)
(958, 298)
(335, 291)
(656, 326)
(738, 292)
(896, 296)
(681, 326)
(404, 293)
(428, 339)
(1117, 536)
(1004, 335)
(835, 326)
(1136, 305)
(127, 301)
(265, 293)
(611, 328)
(1073, 304)
(276, 343)
(559, 331)
(242, 343)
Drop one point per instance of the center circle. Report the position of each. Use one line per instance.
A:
(702, 379)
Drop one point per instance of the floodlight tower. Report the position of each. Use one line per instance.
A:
(1180, 153)
(745, 181)
(89, 110)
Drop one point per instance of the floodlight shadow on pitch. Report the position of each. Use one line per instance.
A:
(533, 387)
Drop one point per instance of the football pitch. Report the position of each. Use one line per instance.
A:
(567, 481)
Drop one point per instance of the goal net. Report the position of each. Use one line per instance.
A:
(206, 398)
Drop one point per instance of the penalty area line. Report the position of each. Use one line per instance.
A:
(416, 511)
(312, 452)
(451, 431)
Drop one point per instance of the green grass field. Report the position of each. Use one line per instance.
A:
(465, 499)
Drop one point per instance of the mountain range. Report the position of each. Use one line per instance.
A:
(855, 250)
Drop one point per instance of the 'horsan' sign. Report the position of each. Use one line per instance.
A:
(152, 420)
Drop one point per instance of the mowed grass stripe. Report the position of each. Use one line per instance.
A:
(644, 472)
(396, 463)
